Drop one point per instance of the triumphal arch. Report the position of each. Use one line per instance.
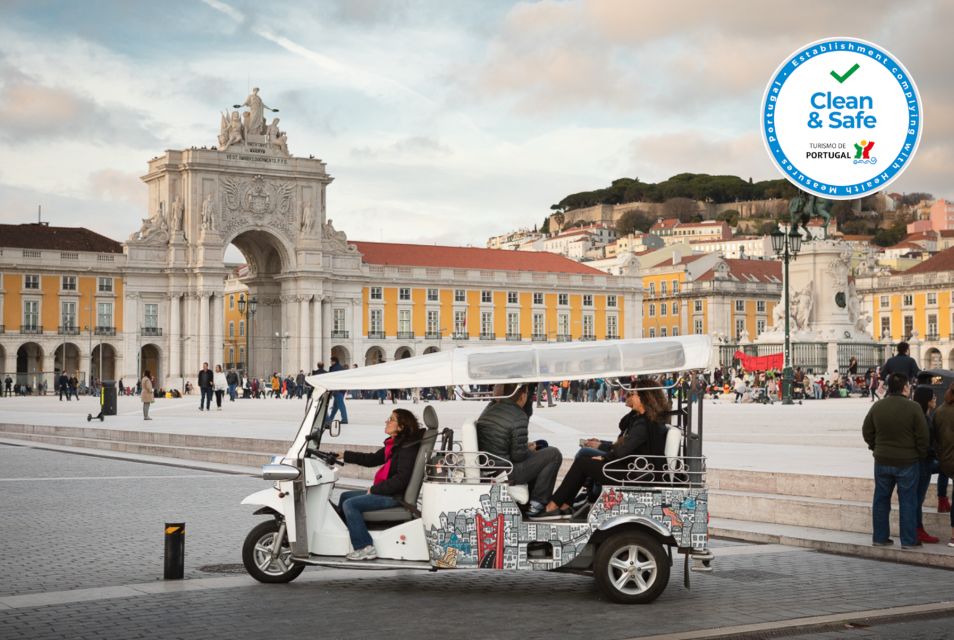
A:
(247, 189)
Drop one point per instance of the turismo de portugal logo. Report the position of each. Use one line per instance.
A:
(841, 118)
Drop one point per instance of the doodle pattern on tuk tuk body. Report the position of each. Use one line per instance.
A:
(496, 536)
(683, 511)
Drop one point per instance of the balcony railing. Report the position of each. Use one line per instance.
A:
(514, 337)
(2, 329)
(432, 335)
(539, 337)
(612, 336)
(488, 336)
(932, 337)
(68, 330)
(340, 334)
(105, 331)
(31, 328)
(405, 335)
(150, 331)
(562, 337)
(587, 338)
(461, 336)
(376, 335)
(229, 365)
(240, 365)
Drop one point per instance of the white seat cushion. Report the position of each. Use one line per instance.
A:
(520, 493)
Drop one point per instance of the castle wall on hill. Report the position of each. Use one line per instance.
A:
(610, 213)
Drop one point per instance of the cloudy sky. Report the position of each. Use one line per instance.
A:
(441, 121)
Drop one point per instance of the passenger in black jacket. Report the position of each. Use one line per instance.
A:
(502, 431)
(396, 459)
(901, 363)
(643, 432)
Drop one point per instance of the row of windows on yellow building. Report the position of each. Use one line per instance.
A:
(34, 302)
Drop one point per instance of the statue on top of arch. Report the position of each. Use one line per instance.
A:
(237, 128)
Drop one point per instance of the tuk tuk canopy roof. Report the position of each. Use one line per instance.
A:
(526, 363)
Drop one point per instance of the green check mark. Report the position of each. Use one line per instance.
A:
(846, 75)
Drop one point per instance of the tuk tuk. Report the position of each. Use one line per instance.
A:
(937, 379)
(459, 510)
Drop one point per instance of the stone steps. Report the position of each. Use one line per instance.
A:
(840, 542)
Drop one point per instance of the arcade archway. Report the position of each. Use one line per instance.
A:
(374, 355)
(149, 359)
(933, 358)
(29, 364)
(67, 358)
(403, 352)
(344, 357)
(103, 362)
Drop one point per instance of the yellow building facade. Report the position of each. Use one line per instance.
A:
(62, 304)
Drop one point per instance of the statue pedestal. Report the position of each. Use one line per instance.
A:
(825, 311)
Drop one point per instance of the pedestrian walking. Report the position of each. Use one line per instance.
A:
(944, 443)
(232, 379)
(63, 386)
(205, 382)
(339, 396)
(147, 395)
(901, 362)
(897, 434)
(219, 385)
(8, 385)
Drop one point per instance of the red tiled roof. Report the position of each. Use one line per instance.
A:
(940, 261)
(745, 270)
(41, 236)
(425, 255)
(904, 244)
(922, 235)
(665, 223)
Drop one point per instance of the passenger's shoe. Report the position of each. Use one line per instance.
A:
(924, 536)
(943, 504)
(950, 542)
(555, 514)
(916, 545)
(581, 511)
(367, 553)
(883, 543)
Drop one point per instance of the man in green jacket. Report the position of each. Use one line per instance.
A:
(897, 434)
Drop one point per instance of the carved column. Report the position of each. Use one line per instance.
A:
(204, 328)
(326, 330)
(304, 339)
(175, 345)
(218, 328)
(316, 352)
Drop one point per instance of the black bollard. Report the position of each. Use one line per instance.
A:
(175, 551)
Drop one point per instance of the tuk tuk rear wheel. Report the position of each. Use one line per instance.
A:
(631, 567)
(256, 555)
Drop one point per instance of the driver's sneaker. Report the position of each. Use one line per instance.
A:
(367, 553)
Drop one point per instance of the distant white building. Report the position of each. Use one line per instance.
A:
(737, 248)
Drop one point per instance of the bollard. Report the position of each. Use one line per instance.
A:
(175, 551)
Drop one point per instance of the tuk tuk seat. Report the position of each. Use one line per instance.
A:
(472, 472)
(402, 513)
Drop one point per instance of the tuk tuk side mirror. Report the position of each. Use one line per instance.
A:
(280, 472)
(334, 428)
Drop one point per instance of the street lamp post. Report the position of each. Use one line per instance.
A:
(786, 247)
(247, 309)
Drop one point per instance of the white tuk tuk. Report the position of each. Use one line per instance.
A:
(460, 512)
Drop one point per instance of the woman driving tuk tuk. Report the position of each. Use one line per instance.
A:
(396, 459)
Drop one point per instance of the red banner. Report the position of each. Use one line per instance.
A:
(760, 363)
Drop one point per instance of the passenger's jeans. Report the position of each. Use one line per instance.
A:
(582, 468)
(539, 470)
(906, 479)
(595, 487)
(232, 393)
(353, 505)
(339, 406)
(926, 469)
(205, 397)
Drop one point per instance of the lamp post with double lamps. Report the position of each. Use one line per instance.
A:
(247, 309)
(786, 246)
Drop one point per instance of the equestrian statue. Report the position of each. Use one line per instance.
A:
(805, 206)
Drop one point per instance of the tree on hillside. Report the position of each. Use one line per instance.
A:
(633, 220)
(915, 197)
(893, 234)
(730, 217)
(683, 208)
(545, 227)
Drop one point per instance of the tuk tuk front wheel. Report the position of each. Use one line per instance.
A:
(257, 555)
(631, 567)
